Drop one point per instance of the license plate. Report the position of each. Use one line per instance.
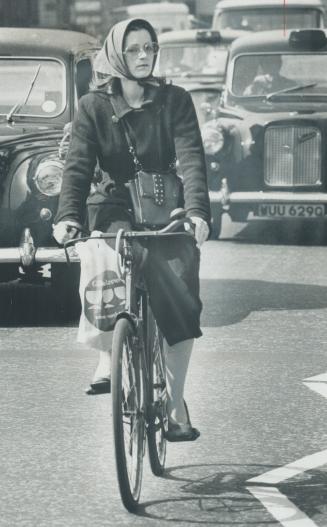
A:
(275, 210)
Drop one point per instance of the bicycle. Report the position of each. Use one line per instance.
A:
(138, 377)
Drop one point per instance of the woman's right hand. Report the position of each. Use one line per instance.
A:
(65, 231)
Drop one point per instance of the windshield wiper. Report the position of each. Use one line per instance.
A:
(298, 87)
(18, 105)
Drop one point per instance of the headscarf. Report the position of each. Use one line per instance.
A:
(110, 60)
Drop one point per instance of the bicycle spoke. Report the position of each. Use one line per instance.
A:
(131, 411)
(128, 413)
(158, 422)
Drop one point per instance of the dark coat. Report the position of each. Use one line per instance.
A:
(164, 128)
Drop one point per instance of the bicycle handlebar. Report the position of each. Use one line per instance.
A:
(170, 230)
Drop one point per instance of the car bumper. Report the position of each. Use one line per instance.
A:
(225, 198)
(42, 255)
(27, 254)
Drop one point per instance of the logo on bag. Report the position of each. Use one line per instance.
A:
(104, 298)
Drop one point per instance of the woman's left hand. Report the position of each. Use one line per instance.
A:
(201, 231)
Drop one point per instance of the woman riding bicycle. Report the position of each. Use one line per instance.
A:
(162, 123)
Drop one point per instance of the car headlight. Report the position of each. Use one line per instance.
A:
(48, 177)
(213, 138)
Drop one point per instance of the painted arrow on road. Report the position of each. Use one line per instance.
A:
(262, 487)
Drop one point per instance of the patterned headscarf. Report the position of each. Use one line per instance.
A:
(110, 60)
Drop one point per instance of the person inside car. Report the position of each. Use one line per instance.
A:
(268, 78)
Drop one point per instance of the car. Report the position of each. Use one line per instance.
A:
(269, 139)
(196, 60)
(43, 72)
(261, 15)
(164, 16)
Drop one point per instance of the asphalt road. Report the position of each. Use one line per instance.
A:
(253, 390)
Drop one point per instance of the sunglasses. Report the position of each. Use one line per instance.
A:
(150, 48)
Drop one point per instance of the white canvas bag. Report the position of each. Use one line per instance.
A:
(101, 290)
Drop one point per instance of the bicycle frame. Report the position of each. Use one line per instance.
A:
(138, 371)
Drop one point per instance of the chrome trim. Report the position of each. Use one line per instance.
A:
(54, 255)
(290, 159)
(27, 248)
(43, 255)
(269, 197)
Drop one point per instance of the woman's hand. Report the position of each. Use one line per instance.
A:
(66, 230)
(201, 231)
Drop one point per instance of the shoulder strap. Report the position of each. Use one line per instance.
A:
(131, 149)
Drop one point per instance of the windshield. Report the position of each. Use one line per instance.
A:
(163, 22)
(192, 60)
(48, 94)
(268, 18)
(290, 76)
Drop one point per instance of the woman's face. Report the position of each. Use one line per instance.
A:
(139, 52)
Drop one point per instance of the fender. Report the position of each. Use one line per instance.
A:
(130, 317)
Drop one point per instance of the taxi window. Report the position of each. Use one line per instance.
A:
(268, 19)
(190, 60)
(41, 81)
(280, 71)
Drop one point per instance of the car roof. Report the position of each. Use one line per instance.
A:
(240, 4)
(269, 41)
(153, 8)
(44, 42)
(190, 35)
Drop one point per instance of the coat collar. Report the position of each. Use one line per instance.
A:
(151, 93)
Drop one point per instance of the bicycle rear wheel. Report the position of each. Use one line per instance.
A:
(158, 421)
(128, 413)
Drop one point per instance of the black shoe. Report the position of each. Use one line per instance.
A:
(102, 385)
(184, 432)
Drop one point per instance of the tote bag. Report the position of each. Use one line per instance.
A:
(102, 293)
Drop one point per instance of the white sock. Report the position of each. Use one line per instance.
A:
(104, 364)
(177, 361)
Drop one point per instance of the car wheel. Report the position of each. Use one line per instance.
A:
(65, 286)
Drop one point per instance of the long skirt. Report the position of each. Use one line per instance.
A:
(171, 273)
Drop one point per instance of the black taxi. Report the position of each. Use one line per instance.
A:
(269, 141)
(43, 74)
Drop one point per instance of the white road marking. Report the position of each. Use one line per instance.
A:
(322, 378)
(280, 474)
(279, 506)
(319, 387)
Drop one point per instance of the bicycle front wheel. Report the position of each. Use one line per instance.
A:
(158, 420)
(128, 413)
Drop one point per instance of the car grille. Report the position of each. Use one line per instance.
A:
(292, 156)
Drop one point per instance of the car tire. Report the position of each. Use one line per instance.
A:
(65, 286)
